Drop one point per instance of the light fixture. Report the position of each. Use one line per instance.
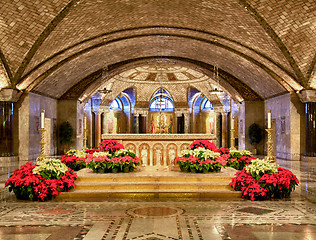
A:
(215, 91)
(105, 91)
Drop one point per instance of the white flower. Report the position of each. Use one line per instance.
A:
(102, 154)
(52, 165)
(260, 166)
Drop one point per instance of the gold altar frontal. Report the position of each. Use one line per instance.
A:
(151, 182)
(158, 149)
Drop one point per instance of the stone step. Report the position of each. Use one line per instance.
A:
(102, 195)
(151, 185)
(126, 178)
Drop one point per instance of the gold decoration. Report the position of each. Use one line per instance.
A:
(42, 142)
(270, 158)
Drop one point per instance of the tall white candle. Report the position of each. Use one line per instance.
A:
(85, 122)
(232, 123)
(269, 118)
(42, 118)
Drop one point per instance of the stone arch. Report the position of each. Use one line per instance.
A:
(132, 147)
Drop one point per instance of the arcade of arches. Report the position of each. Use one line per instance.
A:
(157, 74)
(188, 69)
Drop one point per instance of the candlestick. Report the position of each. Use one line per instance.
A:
(270, 158)
(269, 118)
(42, 118)
(85, 122)
(42, 142)
(232, 123)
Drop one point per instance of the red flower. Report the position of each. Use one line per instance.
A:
(203, 144)
(110, 145)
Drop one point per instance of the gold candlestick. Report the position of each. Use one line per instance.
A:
(270, 158)
(232, 139)
(42, 142)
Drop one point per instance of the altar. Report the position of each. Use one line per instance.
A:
(158, 149)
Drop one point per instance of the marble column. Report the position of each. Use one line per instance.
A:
(98, 129)
(310, 128)
(6, 128)
(218, 129)
(104, 123)
(224, 130)
(136, 122)
(186, 122)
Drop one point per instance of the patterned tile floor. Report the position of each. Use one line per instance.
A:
(293, 218)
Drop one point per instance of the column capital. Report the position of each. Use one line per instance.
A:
(307, 95)
(9, 95)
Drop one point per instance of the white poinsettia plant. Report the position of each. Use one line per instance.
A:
(200, 153)
(123, 152)
(258, 167)
(50, 168)
(77, 153)
(102, 154)
(239, 153)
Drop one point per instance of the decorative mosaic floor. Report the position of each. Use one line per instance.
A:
(293, 218)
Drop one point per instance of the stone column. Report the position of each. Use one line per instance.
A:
(145, 115)
(136, 122)
(7, 132)
(151, 156)
(218, 129)
(224, 130)
(186, 121)
(6, 128)
(310, 129)
(165, 157)
(104, 112)
(104, 123)
(98, 129)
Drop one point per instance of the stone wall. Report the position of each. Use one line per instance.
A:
(250, 112)
(288, 113)
(71, 111)
(29, 124)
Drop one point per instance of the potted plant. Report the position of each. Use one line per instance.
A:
(255, 135)
(66, 133)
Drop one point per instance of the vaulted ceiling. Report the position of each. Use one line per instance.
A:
(61, 48)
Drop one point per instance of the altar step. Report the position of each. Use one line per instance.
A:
(170, 185)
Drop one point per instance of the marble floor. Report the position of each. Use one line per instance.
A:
(293, 218)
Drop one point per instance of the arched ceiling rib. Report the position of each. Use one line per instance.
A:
(280, 35)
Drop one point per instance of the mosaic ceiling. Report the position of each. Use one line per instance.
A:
(266, 47)
(162, 73)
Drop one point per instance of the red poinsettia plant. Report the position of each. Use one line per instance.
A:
(278, 184)
(106, 163)
(110, 145)
(41, 187)
(203, 143)
(239, 159)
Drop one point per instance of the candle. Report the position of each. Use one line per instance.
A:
(232, 123)
(269, 118)
(42, 118)
(85, 122)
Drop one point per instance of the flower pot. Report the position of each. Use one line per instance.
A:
(101, 170)
(126, 169)
(193, 170)
(205, 170)
(115, 170)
